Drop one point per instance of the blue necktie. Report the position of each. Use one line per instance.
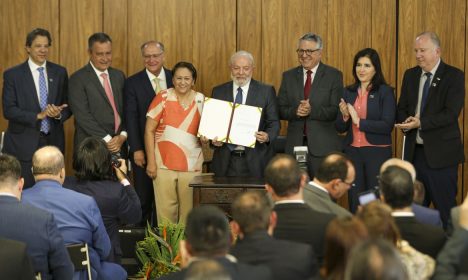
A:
(425, 92)
(45, 125)
(238, 100)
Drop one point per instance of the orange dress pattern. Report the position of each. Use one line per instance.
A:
(176, 144)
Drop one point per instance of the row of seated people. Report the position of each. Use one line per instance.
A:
(59, 210)
(289, 239)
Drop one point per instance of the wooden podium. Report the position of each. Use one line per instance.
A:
(221, 191)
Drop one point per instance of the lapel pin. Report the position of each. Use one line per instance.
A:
(438, 79)
(371, 96)
(51, 80)
(434, 84)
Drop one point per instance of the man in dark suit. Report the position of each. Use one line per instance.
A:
(240, 161)
(140, 89)
(208, 236)
(296, 220)
(14, 260)
(396, 188)
(34, 103)
(33, 226)
(96, 97)
(432, 97)
(253, 222)
(308, 99)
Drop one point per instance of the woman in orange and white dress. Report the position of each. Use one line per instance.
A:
(173, 149)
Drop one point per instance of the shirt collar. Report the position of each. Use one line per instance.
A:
(161, 76)
(314, 70)
(313, 184)
(289, 201)
(99, 72)
(33, 66)
(245, 88)
(7, 194)
(402, 214)
(433, 70)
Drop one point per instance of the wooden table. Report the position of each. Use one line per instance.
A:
(221, 191)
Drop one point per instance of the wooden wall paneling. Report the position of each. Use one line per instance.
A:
(167, 21)
(344, 39)
(464, 188)
(18, 18)
(421, 15)
(115, 25)
(78, 21)
(249, 32)
(214, 41)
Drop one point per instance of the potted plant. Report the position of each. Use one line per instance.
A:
(159, 251)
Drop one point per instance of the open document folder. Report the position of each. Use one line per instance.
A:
(234, 124)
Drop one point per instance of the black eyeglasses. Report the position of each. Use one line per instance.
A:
(307, 51)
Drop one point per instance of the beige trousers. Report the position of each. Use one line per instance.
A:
(173, 196)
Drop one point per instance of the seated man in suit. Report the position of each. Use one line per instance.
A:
(208, 236)
(33, 226)
(334, 176)
(452, 260)
(296, 220)
(235, 161)
(423, 214)
(396, 189)
(253, 222)
(78, 216)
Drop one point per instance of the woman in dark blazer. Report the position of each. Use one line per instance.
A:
(367, 114)
(98, 176)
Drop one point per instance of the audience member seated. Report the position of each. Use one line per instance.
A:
(341, 236)
(207, 270)
(78, 217)
(33, 226)
(295, 220)
(333, 178)
(117, 201)
(375, 259)
(452, 260)
(253, 221)
(396, 189)
(208, 236)
(380, 224)
(422, 214)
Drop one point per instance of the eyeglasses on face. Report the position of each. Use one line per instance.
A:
(307, 51)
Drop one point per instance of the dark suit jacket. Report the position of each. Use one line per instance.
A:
(439, 119)
(325, 94)
(380, 119)
(425, 238)
(89, 103)
(238, 271)
(426, 215)
(452, 259)
(118, 205)
(259, 95)
(14, 261)
(287, 260)
(38, 229)
(298, 222)
(138, 96)
(21, 106)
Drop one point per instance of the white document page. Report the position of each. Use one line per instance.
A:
(245, 122)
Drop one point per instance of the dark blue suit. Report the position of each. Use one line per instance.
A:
(37, 228)
(20, 108)
(118, 205)
(377, 126)
(259, 95)
(426, 215)
(79, 221)
(138, 94)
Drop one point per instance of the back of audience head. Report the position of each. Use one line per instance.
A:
(396, 187)
(10, 175)
(406, 165)
(283, 176)
(378, 219)
(251, 211)
(341, 236)
(48, 163)
(92, 160)
(207, 232)
(206, 270)
(375, 259)
(337, 171)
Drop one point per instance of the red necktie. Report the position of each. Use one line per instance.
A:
(308, 84)
(110, 96)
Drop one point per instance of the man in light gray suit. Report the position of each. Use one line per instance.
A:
(308, 99)
(335, 175)
(96, 96)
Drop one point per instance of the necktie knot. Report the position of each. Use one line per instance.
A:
(428, 75)
(40, 69)
(309, 72)
(104, 76)
(238, 99)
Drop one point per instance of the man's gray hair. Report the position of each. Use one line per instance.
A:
(313, 38)
(245, 54)
(432, 35)
(152, 42)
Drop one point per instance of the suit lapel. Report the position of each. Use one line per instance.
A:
(115, 90)
(251, 95)
(97, 83)
(435, 82)
(316, 81)
(52, 81)
(299, 83)
(28, 81)
(227, 92)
